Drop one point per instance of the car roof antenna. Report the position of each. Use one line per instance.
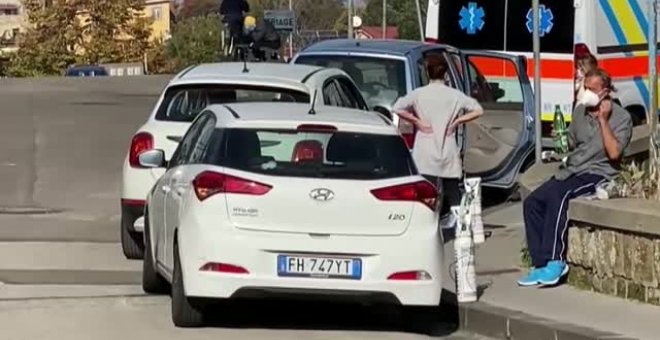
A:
(312, 111)
(245, 68)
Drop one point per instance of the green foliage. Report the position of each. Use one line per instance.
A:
(83, 31)
(48, 46)
(114, 31)
(310, 14)
(525, 257)
(636, 181)
(195, 40)
(400, 13)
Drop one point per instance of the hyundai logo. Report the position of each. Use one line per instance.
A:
(322, 194)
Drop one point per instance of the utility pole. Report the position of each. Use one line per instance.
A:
(653, 87)
(537, 81)
(419, 20)
(291, 34)
(350, 19)
(384, 18)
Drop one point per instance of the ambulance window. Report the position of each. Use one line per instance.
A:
(458, 28)
(557, 34)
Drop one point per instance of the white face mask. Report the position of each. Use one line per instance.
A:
(590, 98)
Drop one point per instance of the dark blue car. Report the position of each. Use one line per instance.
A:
(86, 71)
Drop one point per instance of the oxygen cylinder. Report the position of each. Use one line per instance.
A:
(473, 188)
(466, 284)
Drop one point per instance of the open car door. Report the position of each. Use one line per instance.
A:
(496, 145)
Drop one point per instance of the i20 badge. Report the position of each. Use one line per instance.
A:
(322, 194)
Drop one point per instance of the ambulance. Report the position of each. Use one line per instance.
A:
(614, 31)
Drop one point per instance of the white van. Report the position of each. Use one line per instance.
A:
(614, 31)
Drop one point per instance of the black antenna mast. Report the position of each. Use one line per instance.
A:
(245, 68)
(312, 111)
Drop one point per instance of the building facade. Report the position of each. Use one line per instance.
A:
(12, 19)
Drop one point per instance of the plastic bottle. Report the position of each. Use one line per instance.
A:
(473, 188)
(561, 134)
(466, 283)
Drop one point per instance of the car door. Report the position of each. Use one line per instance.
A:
(496, 144)
(179, 159)
(181, 177)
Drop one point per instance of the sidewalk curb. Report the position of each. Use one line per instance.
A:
(501, 323)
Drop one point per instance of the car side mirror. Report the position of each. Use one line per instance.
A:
(153, 159)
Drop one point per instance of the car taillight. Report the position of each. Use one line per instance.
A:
(407, 131)
(209, 183)
(417, 275)
(141, 142)
(422, 191)
(223, 268)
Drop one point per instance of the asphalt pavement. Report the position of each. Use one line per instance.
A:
(149, 318)
(62, 275)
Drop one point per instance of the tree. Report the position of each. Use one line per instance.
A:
(400, 13)
(310, 14)
(114, 31)
(195, 40)
(49, 44)
(193, 8)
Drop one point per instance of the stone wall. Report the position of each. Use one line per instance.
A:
(614, 262)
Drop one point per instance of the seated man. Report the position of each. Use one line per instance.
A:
(261, 34)
(599, 133)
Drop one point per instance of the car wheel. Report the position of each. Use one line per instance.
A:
(152, 282)
(131, 242)
(184, 313)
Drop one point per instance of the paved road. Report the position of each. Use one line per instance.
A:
(149, 318)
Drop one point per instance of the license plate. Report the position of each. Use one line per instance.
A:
(319, 267)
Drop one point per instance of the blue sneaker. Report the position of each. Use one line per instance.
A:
(532, 278)
(553, 272)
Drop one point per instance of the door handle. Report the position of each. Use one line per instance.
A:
(166, 188)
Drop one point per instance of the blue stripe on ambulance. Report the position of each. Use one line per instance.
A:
(621, 37)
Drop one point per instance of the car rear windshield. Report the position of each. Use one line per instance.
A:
(183, 103)
(505, 25)
(293, 153)
(381, 80)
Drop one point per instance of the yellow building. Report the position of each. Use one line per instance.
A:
(160, 11)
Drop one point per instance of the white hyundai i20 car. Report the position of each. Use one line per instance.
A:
(192, 90)
(282, 199)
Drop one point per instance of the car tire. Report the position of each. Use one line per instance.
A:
(131, 241)
(184, 312)
(152, 282)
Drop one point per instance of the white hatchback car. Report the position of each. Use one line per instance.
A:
(276, 199)
(192, 90)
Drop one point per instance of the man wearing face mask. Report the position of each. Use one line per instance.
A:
(599, 133)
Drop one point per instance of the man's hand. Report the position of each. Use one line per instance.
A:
(604, 110)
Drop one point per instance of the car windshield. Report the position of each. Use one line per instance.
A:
(183, 103)
(381, 80)
(294, 153)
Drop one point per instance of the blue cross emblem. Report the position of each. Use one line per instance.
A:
(472, 18)
(546, 19)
